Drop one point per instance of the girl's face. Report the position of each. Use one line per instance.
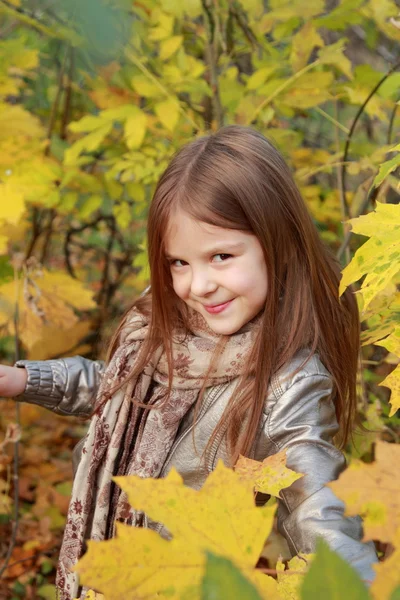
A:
(219, 272)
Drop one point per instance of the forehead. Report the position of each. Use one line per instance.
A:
(186, 235)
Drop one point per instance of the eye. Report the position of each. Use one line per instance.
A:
(221, 257)
(177, 262)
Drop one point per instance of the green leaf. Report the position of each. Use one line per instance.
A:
(223, 580)
(168, 113)
(122, 213)
(89, 206)
(170, 46)
(48, 592)
(387, 167)
(330, 577)
(333, 55)
(86, 124)
(145, 87)
(88, 143)
(396, 594)
(259, 77)
(135, 129)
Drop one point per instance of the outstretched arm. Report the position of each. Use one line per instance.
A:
(67, 386)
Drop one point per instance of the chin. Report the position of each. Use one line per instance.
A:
(224, 329)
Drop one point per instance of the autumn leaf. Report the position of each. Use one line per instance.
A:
(223, 580)
(291, 578)
(388, 166)
(332, 578)
(220, 518)
(371, 490)
(379, 257)
(387, 573)
(169, 46)
(269, 476)
(305, 40)
(392, 381)
(45, 300)
(168, 113)
(135, 129)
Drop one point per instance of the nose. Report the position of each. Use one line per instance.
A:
(202, 283)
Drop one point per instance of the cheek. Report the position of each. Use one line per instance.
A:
(179, 287)
(252, 283)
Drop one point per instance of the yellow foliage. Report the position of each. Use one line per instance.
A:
(379, 257)
(45, 302)
(168, 113)
(169, 46)
(135, 129)
(392, 381)
(371, 490)
(290, 579)
(51, 343)
(269, 476)
(12, 203)
(387, 573)
(221, 518)
(15, 121)
(305, 40)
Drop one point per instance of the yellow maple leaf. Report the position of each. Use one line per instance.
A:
(373, 491)
(221, 518)
(290, 579)
(45, 300)
(13, 205)
(51, 343)
(378, 258)
(16, 121)
(3, 244)
(392, 381)
(305, 40)
(269, 476)
(387, 574)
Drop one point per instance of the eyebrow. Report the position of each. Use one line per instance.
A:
(219, 249)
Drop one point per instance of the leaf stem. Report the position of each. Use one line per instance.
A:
(136, 61)
(282, 87)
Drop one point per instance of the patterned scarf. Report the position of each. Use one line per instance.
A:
(124, 439)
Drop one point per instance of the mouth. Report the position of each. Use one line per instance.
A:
(217, 308)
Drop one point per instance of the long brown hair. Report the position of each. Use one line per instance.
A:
(236, 179)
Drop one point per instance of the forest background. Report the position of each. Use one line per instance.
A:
(95, 98)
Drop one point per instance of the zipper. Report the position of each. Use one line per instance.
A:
(209, 401)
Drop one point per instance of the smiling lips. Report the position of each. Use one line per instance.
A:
(217, 308)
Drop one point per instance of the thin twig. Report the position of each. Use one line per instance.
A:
(339, 182)
(54, 107)
(391, 122)
(280, 89)
(211, 56)
(371, 194)
(136, 61)
(353, 126)
(48, 234)
(68, 96)
(15, 524)
(36, 231)
(21, 15)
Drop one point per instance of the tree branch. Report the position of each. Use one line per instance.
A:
(353, 126)
(211, 57)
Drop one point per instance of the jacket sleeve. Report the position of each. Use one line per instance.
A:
(303, 421)
(67, 386)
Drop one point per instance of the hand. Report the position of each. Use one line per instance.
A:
(12, 381)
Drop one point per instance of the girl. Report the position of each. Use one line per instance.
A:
(240, 346)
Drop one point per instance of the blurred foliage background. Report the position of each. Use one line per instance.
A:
(95, 97)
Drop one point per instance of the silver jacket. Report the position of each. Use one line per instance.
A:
(299, 416)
